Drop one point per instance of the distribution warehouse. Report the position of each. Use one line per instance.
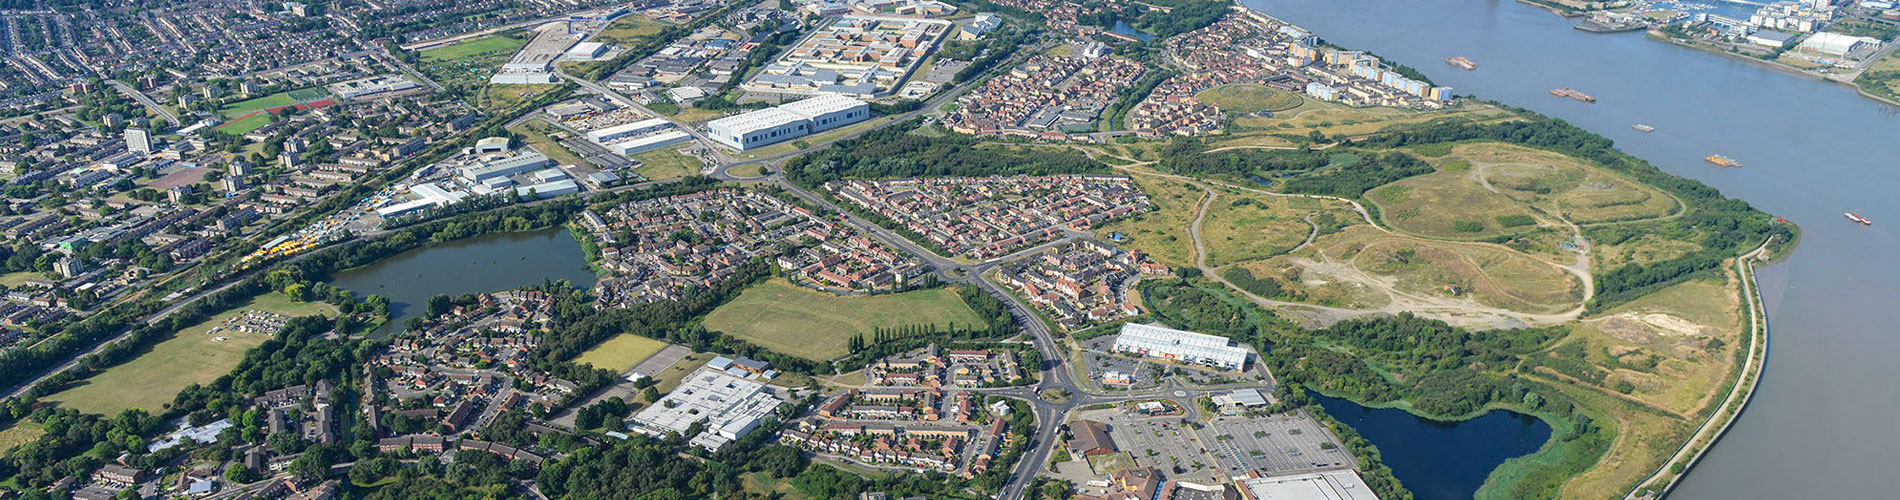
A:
(786, 122)
(1198, 348)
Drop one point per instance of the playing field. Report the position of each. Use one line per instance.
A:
(193, 356)
(245, 125)
(471, 47)
(787, 318)
(244, 107)
(620, 353)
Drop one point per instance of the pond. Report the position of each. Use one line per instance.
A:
(1442, 460)
(480, 264)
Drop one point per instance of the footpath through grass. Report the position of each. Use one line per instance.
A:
(799, 321)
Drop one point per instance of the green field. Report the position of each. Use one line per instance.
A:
(1244, 98)
(245, 125)
(791, 319)
(244, 107)
(666, 163)
(467, 48)
(620, 353)
(627, 29)
(192, 356)
(20, 433)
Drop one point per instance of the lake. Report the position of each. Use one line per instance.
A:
(1821, 423)
(1441, 460)
(481, 264)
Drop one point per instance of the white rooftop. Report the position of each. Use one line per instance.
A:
(1330, 485)
(755, 120)
(829, 103)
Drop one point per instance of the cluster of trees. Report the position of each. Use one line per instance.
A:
(999, 46)
(895, 151)
(1167, 18)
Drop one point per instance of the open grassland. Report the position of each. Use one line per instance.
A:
(799, 321)
(1163, 232)
(1363, 267)
(472, 47)
(195, 355)
(628, 28)
(620, 353)
(1674, 348)
(1484, 190)
(1643, 249)
(1643, 440)
(666, 163)
(18, 278)
(1882, 78)
(1242, 226)
(540, 136)
(1246, 98)
(500, 98)
(1333, 118)
(764, 484)
(20, 433)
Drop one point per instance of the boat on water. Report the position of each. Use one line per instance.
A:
(1461, 62)
(1573, 94)
(1722, 161)
(1643, 128)
(1855, 216)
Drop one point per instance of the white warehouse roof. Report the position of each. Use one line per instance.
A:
(755, 120)
(1171, 343)
(828, 103)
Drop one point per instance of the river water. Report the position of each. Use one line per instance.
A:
(481, 264)
(1821, 425)
(1441, 460)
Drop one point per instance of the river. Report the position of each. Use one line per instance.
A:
(1441, 460)
(481, 264)
(1821, 424)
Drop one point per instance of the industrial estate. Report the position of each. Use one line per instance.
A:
(837, 250)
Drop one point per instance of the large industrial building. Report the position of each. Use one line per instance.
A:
(517, 164)
(786, 122)
(1329, 485)
(730, 406)
(1169, 343)
(608, 135)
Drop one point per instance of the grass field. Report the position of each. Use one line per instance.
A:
(791, 319)
(764, 484)
(1333, 118)
(539, 135)
(507, 97)
(1363, 267)
(666, 163)
(1245, 98)
(1661, 343)
(18, 278)
(245, 125)
(1486, 189)
(1162, 233)
(620, 353)
(192, 356)
(243, 107)
(20, 433)
(627, 29)
(1243, 226)
(466, 48)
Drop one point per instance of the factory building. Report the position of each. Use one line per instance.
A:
(649, 143)
(370, 86)
(788, 121)
(1329, 485)
(505, 167)
(548, 189)
(625, 130)
(731, 407)
(1169, 343)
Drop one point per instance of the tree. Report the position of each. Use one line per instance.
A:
(239, 474)
(298, 292)
(650, 394)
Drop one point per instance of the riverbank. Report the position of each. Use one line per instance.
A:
(1777, 66)
(1741, 392)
